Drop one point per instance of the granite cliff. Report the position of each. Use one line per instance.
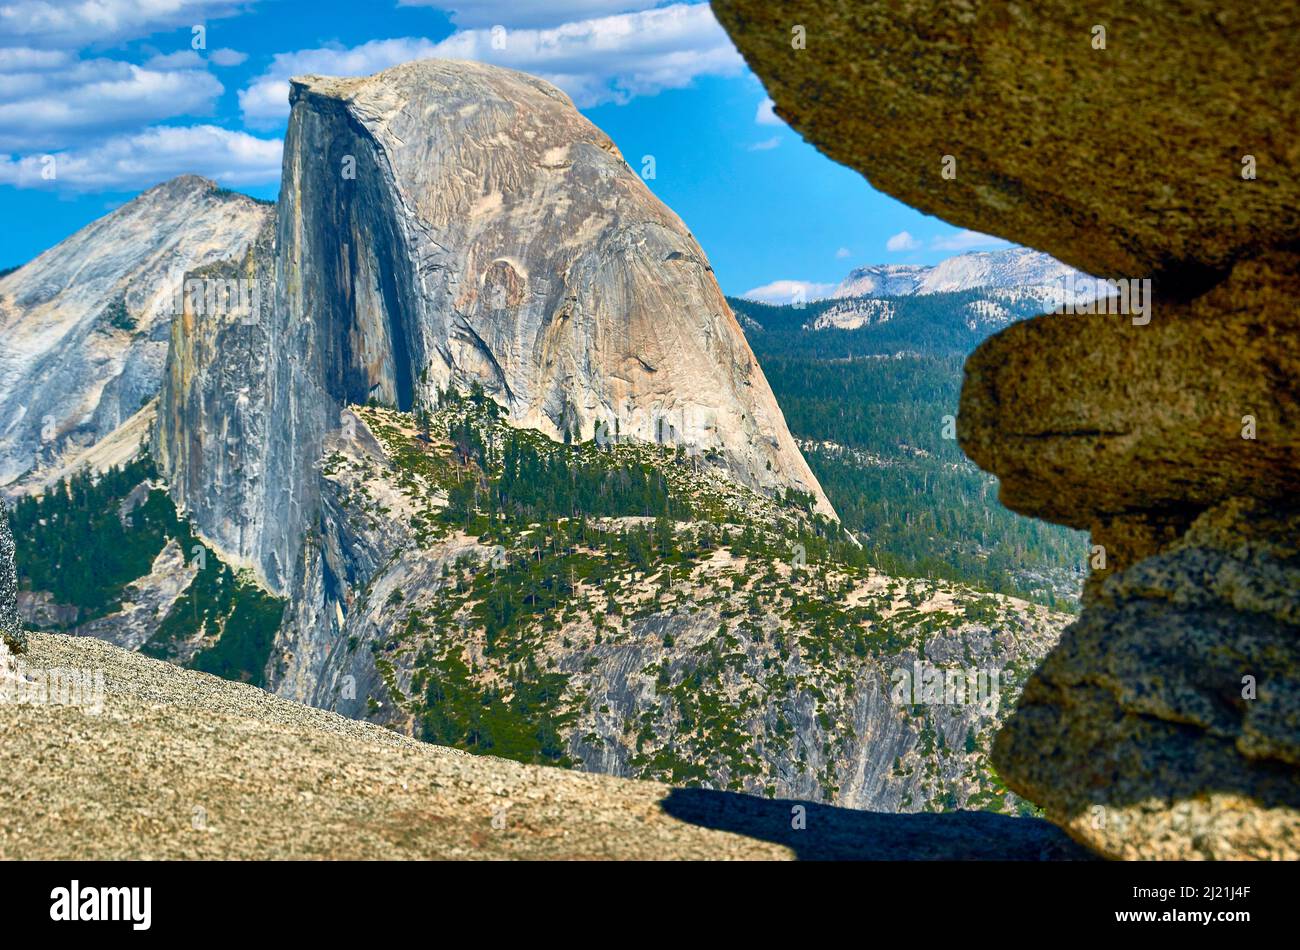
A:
(444, 224)
(85, 325)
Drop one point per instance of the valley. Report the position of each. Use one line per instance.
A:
(559, 502)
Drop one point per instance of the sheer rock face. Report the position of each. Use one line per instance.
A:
(1164, 723)
(447, 223)
(12, 633)
(84, 325)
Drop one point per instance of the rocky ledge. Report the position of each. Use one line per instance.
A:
(133, 758)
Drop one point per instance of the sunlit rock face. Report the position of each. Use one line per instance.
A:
(83, 327)
(446, 223)
(1158, 147)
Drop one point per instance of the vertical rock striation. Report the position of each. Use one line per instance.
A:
(1157, 143)
(84, 325)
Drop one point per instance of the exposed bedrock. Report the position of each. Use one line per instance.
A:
(1088, 419)
(1165, 722)
(83, 326)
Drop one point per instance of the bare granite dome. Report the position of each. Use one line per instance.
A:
(84, 325)
(446, 224)
(531, 259)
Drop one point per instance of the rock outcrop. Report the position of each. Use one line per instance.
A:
(85, 325)
(1157, 144)
(450, 224)
(732, 678)
(12, 633)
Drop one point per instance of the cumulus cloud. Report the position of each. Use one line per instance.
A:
(607, 59)
(766, 114)
(469, 14)
(20, 59)
(51, 102)
(788, 291)
(126, 162)
(967, 241)
(843, 253)
(227, 57)
(73, 24)
(902, 241)
(183, 59)
(191, 59)
(766, 144)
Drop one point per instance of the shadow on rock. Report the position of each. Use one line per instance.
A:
(838, 834)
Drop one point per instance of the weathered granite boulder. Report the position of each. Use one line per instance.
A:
(11, 627)
(1087, 418)
(1166, 723)
(1154, 142)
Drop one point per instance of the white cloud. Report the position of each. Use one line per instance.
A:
(843, 253)
(191, 59)
(73, 24)
(766, 144)
(16, 59)
(766, 115)
(788, 291)
(469, 14)
(265, 102)
(227, 57)
(967, 241)
(902, 241)
(608, 59)
(184, 59)
(140, 160)
(54, 102)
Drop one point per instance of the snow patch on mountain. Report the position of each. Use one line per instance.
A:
(1020, 271)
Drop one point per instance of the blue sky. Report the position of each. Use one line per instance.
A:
(116, 92)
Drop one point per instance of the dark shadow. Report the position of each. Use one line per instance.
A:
(843, 834)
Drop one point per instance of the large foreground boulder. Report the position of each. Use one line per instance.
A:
(1156, 142)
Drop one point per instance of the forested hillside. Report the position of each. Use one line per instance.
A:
(874, 410)
(97, 549)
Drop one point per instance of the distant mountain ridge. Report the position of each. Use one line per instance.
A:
(942, 308)
(1015, 268)
(85, 324)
